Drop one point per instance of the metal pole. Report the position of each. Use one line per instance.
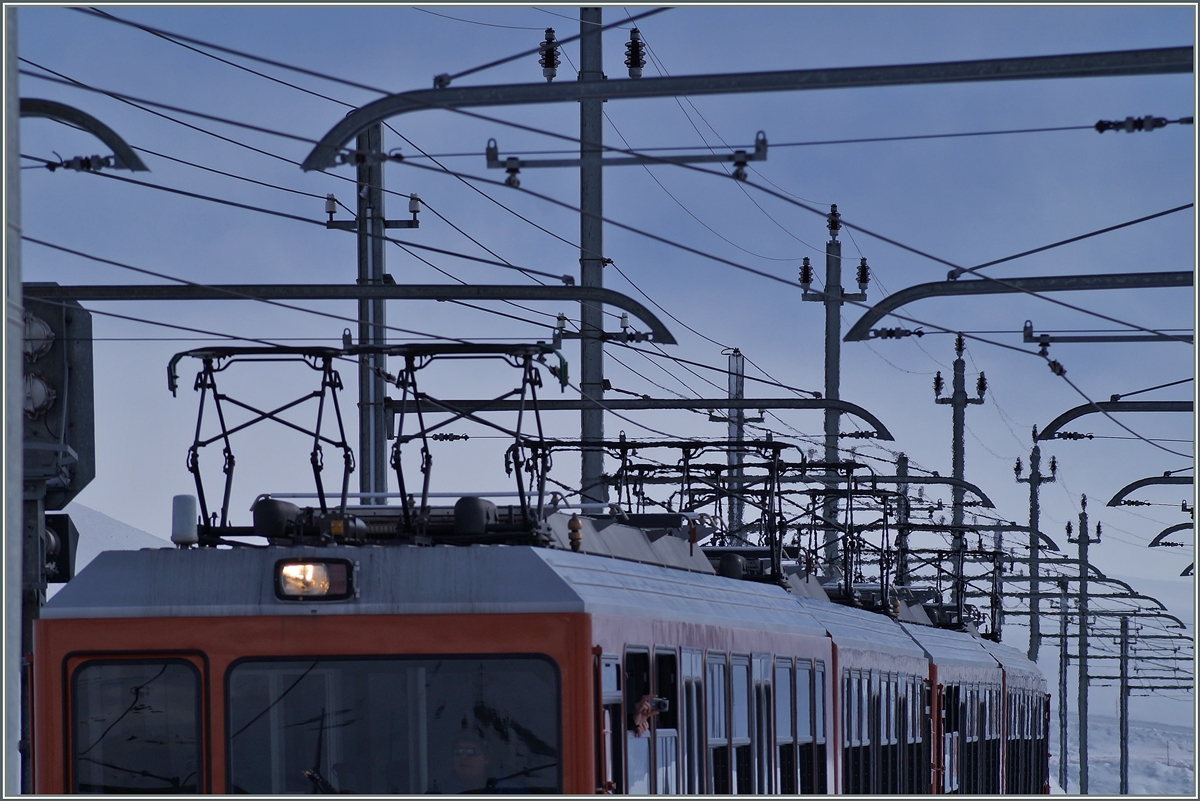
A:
(591, 255)
(14, 417)
(372, 388)
(902, 521)
(1035, 481)
(833, 367)
(1083, 646)
(737, 434)
(1063, 658)
(1123, 698)
(997, 599)
(958, 401)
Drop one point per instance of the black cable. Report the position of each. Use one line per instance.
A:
(298, 218)
(1151, 389)
(1074, 239)
(230, 292)
(476, 22)
(177, 109)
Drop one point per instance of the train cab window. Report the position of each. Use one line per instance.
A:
(718, 731)
(666, 724)
(740, 725)
(135, 727)
(637, 727)
(764, 774)
(691, 719)
(785, 726)
(394, 725)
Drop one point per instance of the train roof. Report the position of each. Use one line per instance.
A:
(1018, 669)
(958, 655)
(475, 579)
(863, 635)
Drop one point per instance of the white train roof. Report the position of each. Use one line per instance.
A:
(1020, 671)
(861, 634)
(475, 579)
(959, 656)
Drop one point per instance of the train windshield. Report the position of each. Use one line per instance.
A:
(394, 725)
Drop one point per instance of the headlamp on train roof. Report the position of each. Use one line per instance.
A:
(313, 579)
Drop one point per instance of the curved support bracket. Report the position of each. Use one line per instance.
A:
(1157, 542)
(1128, 62)
(1112, 406)
(1051, 544)
(953, 482)
(123, 156)
(1054, 283)
(1147, 482)
(338, 292)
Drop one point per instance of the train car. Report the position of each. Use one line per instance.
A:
(612, 658)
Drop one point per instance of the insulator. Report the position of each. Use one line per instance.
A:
(549, 56)
(1053, 465)
(806, 273)
(624, 321)
(981, 385)
(414, 204)
(959, 345)
(938, 384)
(635, 54)
(330, 205)
(864, 275)
(1017, 467)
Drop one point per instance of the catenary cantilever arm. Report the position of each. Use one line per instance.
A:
(1081, 65)
(123, 155)
(1110, 407)
(1157, 542)
(338, 291)
(1147, 482)
(1054, 283)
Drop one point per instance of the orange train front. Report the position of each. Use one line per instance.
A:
(627, 666)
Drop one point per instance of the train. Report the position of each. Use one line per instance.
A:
(586, 653)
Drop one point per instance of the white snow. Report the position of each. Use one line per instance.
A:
(1161, 758)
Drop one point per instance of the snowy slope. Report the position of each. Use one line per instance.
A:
(1161, 758)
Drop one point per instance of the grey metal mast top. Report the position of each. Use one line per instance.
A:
(1158, 61)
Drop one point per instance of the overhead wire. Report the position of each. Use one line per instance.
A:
(849, 225)
(788, 199)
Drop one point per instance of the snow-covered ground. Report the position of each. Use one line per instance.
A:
(1161, 758)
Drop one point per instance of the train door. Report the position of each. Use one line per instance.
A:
(691, 719)
(717, 729)
(785, 728)
(137, 725)
(666, 723)
(819, 728)
(609, 764)
(764, 773)
(741, 724)
(637, 734)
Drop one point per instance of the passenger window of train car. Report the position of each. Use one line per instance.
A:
(637, 722)
(666, 724)
(135, 727)
(718, 731)
(785, 726)
(691, 719)
(394, 725)
(741, 725)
